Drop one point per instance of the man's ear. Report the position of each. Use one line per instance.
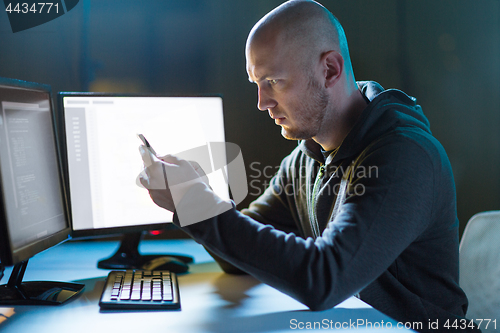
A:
(333, 66)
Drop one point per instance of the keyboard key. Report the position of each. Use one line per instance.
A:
(167, 296)
(125, 296)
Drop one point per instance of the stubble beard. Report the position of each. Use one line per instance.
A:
(310, 113)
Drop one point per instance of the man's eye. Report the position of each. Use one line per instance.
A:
(272, 82)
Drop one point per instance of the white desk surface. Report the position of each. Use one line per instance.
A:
(211, 301)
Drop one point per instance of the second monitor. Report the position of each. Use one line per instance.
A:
(98, 135)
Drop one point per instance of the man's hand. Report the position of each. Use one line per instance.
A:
(168, 178)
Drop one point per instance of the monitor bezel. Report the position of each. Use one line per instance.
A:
(61, 138)
(8, 255)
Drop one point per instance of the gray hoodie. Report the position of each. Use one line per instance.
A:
(391, 238)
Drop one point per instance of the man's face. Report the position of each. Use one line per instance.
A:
(292, 94)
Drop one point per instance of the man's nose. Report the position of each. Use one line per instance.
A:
(266, 101)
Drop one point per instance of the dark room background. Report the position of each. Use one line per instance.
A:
(446, 53)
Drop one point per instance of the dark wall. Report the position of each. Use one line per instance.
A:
(444, 52)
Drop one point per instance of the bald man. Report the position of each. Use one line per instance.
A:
(365, 205)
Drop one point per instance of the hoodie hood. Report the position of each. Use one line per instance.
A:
(386, 111)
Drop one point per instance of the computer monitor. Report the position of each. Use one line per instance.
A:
(33, 215)
(102, 161)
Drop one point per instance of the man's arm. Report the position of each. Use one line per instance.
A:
(273, 207)
(370, 232)
(161, 172)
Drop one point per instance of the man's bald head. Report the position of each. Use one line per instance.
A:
(298, 57)
(305, 29)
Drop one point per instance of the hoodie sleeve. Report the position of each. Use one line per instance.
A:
(372, 229)
(273, 207)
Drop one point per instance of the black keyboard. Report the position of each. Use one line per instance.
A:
(140, 290)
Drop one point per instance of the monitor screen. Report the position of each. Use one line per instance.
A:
(103, 159)
(33, 215)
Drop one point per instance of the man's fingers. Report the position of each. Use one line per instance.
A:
(172, 159)
(142, 179)
(147, 156)
(195, 165)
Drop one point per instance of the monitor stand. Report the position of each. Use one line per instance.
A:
(128, 257)
(16, 292)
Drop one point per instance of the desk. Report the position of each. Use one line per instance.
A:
(211, 301)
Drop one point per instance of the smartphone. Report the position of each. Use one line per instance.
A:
(146, 143)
